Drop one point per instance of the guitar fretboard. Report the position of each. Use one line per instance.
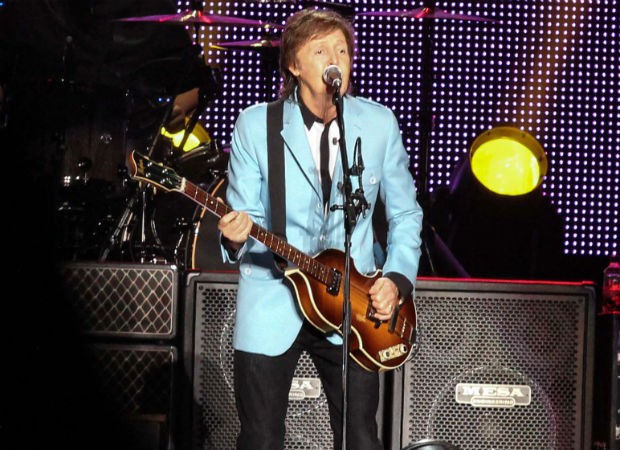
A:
(276, 244)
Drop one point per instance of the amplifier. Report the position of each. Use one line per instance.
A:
(606, 406)
(123, 300)
(498, 365)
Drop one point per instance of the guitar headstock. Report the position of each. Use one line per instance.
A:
(144, 169)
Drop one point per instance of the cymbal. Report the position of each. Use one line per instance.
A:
(257, 44)
(342, 8)
(200, 18)
(426, 13)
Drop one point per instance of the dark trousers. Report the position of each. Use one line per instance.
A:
(262, 384)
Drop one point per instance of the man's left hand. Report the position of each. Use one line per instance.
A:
(384, 298)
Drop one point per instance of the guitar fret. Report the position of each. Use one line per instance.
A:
(315, 269)
(256, 232)
(306, 265)
(323, 273)
(312, 268)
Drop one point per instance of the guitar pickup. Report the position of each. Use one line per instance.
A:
(333, 287)
(394, 318)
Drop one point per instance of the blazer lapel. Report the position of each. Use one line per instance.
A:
(296, 142)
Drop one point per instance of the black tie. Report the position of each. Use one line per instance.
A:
(326, 180)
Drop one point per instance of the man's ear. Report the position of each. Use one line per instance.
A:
(293, 70)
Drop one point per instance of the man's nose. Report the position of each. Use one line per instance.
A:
(334, 57)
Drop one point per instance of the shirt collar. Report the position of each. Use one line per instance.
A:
(308, 116)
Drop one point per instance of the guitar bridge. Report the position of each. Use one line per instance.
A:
(333, 285)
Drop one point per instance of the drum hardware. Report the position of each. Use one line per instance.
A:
(85, 211)
(147, 231)
(154, 227)
(135, 236)
(200, 164)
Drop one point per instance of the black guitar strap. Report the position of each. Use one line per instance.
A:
(275, 153)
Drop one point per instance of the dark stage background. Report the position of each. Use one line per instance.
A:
(79, 90)
(82, 88)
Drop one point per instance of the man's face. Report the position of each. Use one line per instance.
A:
(314, 56)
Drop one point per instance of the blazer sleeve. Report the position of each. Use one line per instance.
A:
(245, 177)
(402, 211)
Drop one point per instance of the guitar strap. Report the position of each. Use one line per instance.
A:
(275, 155)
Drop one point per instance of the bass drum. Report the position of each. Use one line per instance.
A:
(204, 252)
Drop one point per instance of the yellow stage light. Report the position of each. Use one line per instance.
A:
(508, 161)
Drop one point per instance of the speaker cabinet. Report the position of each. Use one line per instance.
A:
(498, 365)
(606, 414)
(127, 317)
(209, 358)
(210, 306)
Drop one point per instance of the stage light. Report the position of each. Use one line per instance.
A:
(198, 136)
(508, 161)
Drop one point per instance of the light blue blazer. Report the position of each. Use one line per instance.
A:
(268, 317)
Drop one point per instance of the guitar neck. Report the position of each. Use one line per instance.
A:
(276, 244)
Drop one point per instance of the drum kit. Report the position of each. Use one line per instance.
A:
(156, 227)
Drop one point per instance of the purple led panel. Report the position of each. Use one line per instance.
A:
(550, 68)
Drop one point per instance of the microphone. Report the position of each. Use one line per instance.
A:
(333, 76)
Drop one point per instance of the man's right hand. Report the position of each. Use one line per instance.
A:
(235, 227)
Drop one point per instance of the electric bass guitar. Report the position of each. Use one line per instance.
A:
(317, 281)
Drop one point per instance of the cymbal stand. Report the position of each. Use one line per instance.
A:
(197, 6)
(426, 128)
(426, 99)
(269, 66)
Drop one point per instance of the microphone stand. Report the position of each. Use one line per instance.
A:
(354, 203)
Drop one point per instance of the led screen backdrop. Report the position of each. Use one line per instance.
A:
(549, 67)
